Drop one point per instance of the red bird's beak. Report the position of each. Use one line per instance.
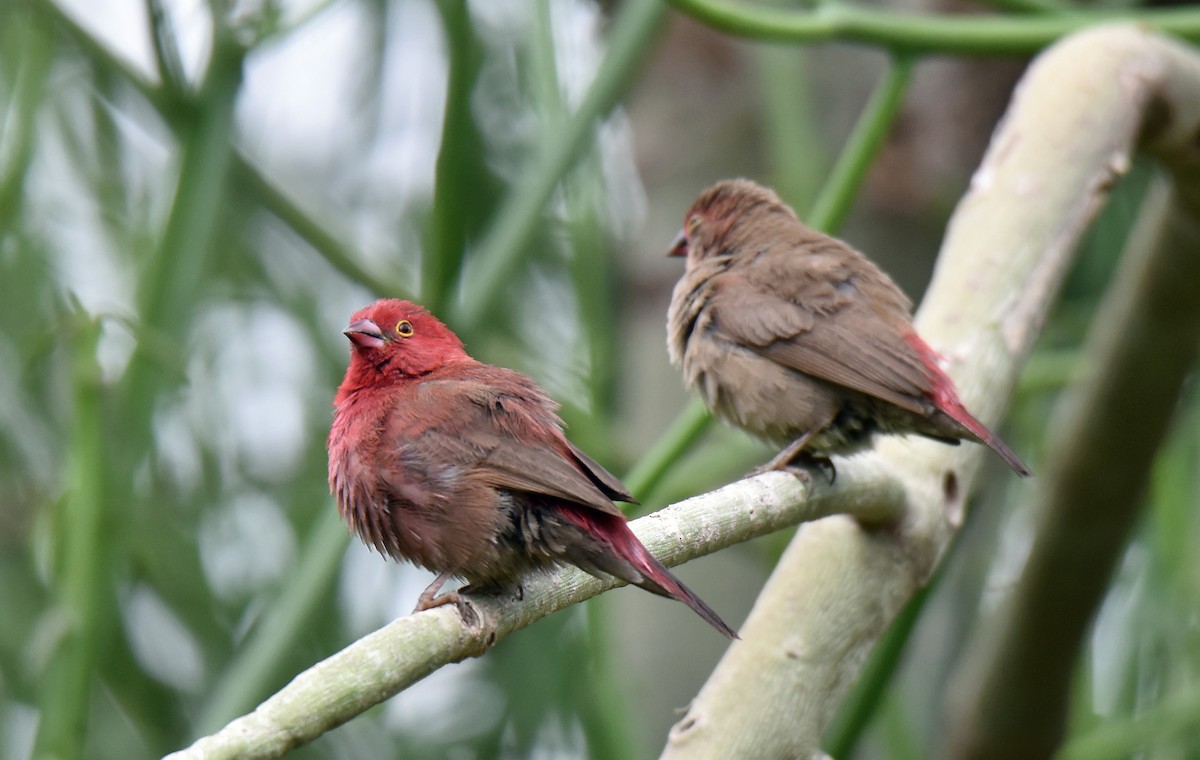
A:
(678, 245)
(364, 333)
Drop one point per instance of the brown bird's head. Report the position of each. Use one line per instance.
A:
(392, 340)
(724, 217)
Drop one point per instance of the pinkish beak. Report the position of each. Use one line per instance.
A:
(364, 333)
(678, 245)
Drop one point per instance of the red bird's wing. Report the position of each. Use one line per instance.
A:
(825, 319)
(498, 425)
(613, 488)
(541, 469)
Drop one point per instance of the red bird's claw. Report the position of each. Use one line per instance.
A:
(466, 608)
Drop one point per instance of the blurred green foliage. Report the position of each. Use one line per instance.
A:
(176, 263)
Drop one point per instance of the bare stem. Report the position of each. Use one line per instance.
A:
(383, 663)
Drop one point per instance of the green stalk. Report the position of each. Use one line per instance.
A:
(605, 717)
(506, 241)
(168, 288)
(457, 191)
(20, 125)
(1031, 6)
(258, 661)
(671, 446)
(833, 204)
(83, 583)
(925, 33)
(166, 52)
(606, 711)
(336, 253)
(796, 150)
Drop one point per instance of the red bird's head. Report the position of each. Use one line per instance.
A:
(393, 340)
(723, 217)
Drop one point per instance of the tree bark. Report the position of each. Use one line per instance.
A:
(1081, 110)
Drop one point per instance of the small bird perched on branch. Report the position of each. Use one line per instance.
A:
(801, 340)
(462, 467)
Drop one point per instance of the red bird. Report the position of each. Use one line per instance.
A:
(462, 467)
(800, 339)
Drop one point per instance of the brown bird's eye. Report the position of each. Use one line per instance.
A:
(693, 223)
(404, 328)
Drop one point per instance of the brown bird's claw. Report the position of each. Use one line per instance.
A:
(826, 464)
(796, 465)
(794, 455)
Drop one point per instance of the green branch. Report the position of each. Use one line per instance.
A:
(924, 33)
(460, 193)
(833, 204)
(173, 106)
(243, 683)
(83, 578)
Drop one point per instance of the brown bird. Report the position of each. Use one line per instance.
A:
(462, 467)
(801, 340)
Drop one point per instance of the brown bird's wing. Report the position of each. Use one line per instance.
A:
(509, 437)
(834, 316)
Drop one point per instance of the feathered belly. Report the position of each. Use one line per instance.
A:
(775, 403)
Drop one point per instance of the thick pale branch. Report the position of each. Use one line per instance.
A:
(393, 658)
(1070, 132)
(1012, 693)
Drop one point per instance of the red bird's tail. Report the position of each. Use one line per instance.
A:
(945, 398)
(622, 555)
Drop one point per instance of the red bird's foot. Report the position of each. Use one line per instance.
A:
(429, 599)
(470, 615)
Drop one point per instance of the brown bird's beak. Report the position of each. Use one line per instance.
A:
(364, 333)
(678, 245)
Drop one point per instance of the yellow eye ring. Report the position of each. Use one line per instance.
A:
(404, 328)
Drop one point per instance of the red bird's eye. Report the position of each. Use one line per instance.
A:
(404, 328)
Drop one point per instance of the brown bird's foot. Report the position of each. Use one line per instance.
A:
(822, 463)
(797, 465)
(794, 457)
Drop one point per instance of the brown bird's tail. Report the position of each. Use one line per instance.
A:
(624, 557)
(945, 398)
